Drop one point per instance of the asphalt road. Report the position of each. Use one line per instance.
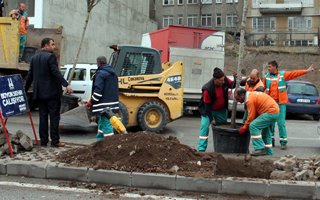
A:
(21, 188)
(303, 133)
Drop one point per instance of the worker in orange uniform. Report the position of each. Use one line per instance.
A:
(263, 111)
(253, 83)
(275, 84)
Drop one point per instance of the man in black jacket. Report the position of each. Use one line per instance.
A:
(214, 104)
(104, 94)
(47, 91)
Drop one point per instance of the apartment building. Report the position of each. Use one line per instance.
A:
(287, 23)
(217, 14)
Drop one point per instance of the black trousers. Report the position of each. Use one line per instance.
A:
(49, 107)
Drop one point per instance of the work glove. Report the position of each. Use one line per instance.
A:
(89, 104)
(243, 130)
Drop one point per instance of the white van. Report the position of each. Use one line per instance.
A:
(81, 82)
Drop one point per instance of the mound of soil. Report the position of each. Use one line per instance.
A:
(150, 152)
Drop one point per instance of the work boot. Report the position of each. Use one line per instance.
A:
(60, 144)
(283, 147)
(259, 152)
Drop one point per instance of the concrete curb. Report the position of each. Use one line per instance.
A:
(255, 187)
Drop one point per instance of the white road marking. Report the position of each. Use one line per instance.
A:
(46, 187)
(71, 189)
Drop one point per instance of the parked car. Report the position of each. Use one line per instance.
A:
(82, 79)
(303, 98)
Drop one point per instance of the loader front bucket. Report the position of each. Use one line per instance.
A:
(77, 119)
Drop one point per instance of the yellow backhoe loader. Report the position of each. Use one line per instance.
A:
(150, 93)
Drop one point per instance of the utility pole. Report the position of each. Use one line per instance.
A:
(240, 58)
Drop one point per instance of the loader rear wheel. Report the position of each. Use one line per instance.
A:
(152, 116)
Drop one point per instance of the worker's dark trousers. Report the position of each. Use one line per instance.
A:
(49, 107)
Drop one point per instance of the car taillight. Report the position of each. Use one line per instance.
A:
(318, 102)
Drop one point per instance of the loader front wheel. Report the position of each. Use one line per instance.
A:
(123, 114)
(152, 116)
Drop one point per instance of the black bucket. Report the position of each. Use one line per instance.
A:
(228, 140)
(68, 102)
(28, 53)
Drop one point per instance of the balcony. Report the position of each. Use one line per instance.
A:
(285, 8)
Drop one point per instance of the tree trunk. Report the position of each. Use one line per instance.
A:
(240, 59)
(79, 49)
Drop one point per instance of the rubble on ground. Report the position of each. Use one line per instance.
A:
(20, 142)
(292, 168)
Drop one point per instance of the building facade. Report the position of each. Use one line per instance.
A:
(111, 22)
(287, 23)
(217, 14)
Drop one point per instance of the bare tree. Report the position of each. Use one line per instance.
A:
(90, 5)
(240, 58)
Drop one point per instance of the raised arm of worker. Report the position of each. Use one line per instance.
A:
(233, 84)
(288, 75)
(53, 65)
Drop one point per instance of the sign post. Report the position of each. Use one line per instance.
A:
(13, 101)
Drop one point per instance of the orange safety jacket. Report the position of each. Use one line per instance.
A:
(23, 23)
(251, 89)
(258, 103)
(281, 97)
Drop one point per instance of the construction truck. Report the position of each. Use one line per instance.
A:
(9, 51)
(200, 49)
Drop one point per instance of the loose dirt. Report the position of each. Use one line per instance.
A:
(150, 152)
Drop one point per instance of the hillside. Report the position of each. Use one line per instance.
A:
(288, 59)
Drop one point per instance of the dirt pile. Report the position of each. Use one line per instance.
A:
(150, 152)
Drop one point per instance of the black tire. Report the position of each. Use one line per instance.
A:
(123, 114)
(152, 116)
(316, 117)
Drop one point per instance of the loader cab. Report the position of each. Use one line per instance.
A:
(135, 60)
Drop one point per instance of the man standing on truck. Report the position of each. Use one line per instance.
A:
(23, 27)
(47, 91)
(263, 111)
(275, 84)
(213, 105)
(105, 93)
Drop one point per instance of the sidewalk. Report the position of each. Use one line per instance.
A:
(40, 163)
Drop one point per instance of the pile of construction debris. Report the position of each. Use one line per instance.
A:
(19, 142)
(292, 168)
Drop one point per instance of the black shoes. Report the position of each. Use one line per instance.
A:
(260, 152)
(283, 146)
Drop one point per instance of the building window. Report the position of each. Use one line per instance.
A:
(206, 1)
(206, 20)
(192, 20)
(167, 20)
(263, 24)
(180, 2)
(231, 1)
(180, 20)
(218, 1)
(299, 24)
(168, 2)
(192, 1)
(218, 20)
(231, 20)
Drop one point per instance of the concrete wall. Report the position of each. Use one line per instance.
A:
(111, 22)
